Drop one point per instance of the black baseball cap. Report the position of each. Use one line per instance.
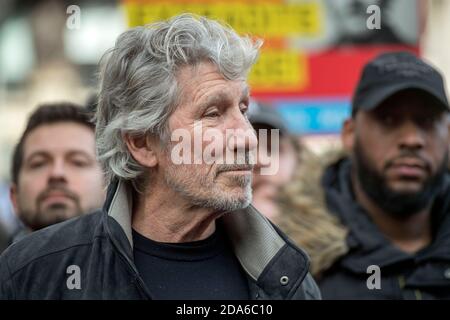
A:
(390, 73)
(261, 114)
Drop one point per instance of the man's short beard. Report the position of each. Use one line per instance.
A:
(44, 218)
(200, 192)
(397, 204)
(41, 217)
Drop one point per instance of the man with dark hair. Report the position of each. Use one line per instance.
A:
(55, 175)
(393, 191)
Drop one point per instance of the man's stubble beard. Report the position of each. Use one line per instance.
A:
(42, 218)
(400, 205)
(202, 191)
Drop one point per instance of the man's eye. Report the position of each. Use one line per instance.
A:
(80, 163)
(427, 122)
(387, 120)
(213, 114)
(37, 164)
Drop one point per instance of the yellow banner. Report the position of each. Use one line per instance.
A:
(279, 68)
(266, 19)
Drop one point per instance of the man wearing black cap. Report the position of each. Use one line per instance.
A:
(393, 190)
(281, 149)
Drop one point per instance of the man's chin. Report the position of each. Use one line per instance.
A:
(235, 200)
(406, 188)
(58, 214)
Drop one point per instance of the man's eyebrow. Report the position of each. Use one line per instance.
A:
(72, 153)
(46, 154)
(221, 96)
(215, 98)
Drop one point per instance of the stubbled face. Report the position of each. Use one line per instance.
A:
(401, 149)
(218, 104)
(59, 177)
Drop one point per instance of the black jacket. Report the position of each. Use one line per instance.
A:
(98, 247)
(424, 275)
(4, 238)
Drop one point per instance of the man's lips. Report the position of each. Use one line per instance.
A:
(413, 162)
(55, 197)
(409, 167)
(408, 171)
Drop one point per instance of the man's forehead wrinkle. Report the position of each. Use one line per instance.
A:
(201, 78)
(214, 97)
(223, 88)
(191, 84)
(222, 91)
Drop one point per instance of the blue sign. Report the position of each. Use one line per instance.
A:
(314, 116)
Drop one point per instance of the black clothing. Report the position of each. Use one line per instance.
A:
(423, 275)
(205, 269)
(91, 257)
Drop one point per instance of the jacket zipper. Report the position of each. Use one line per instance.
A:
(137, 278)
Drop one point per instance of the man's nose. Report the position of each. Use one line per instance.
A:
(411, 136)
(243, 136)
(57, 171)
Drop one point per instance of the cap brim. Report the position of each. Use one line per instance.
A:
(273, 124)
(378, 96)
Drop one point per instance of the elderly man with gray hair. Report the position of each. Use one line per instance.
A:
(177, 222)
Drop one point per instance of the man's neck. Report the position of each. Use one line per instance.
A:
(163, 217)
(409, 234)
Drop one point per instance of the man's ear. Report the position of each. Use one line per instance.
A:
(13, 196)
(143, 149)
(348, 134)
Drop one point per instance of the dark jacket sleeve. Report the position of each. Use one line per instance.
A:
(6, 286)
(4, 239)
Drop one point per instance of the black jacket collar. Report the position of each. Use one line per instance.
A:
(265, 254)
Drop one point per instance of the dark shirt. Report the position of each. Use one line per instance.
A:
(205, 269)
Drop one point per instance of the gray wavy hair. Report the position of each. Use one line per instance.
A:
(138, 81)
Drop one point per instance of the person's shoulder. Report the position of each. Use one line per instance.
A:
(55, 239)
